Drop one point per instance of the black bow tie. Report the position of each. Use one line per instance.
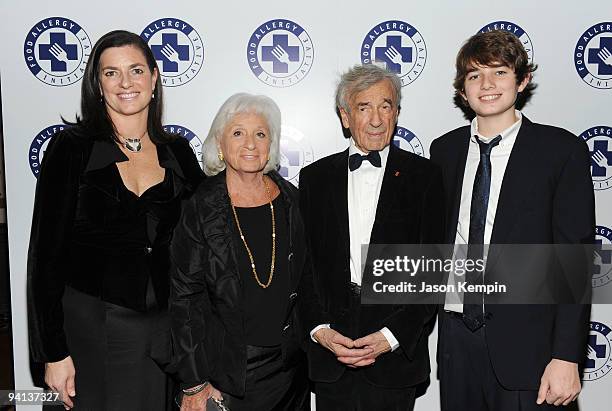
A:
(356, 159)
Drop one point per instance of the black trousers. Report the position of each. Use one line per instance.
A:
(467, 379)
(111, 350)
(268, 386)
(353, 393)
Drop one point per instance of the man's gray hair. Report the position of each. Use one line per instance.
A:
(242, 103)
(359, 78)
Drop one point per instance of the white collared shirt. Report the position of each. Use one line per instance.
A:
(499, 161)
(363, 190)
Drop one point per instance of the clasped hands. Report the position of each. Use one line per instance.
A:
(353, 353)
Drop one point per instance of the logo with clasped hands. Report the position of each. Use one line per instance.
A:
(593, 56)
(602, 269)
(396, 46)
(56, 50)
(599, 359)
(408, 141)
(39, 145)
(184, 132)
(280, 53)
(295, 153)
(515, 29)
(599, 140)
(178, 49)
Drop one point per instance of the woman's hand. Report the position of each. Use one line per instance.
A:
(197, 402)
(59, 376)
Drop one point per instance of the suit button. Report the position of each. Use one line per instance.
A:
(290, 257)
(286, 326)
(292, 296)
(148, 250)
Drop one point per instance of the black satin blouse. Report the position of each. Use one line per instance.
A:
(93, 234)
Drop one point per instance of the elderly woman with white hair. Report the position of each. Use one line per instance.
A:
(240, 266)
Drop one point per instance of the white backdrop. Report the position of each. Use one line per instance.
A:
(218, 50)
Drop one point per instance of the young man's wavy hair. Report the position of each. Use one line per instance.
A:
(493, 48)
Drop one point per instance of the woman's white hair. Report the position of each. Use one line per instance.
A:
(242, 103)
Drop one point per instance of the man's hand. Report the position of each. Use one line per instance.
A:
(197, 402)
(376, 343)
(343, 347)
(560, 383)
(59, 376)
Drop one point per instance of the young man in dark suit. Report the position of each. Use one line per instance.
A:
(367, 357)
(510, 181)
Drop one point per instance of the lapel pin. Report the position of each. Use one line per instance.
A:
(397, 173)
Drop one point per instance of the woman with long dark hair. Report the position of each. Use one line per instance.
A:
(107, 199)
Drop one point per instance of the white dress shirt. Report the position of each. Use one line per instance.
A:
(499, 160)
(363, 190)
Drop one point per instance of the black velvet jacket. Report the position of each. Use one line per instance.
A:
(85, 235)
(206, 302)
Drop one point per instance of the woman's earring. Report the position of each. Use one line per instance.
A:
(220, 155)
(152, 96)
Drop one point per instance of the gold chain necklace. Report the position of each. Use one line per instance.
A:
(262, 285)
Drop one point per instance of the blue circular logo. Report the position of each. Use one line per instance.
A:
(515, 29)
(295, 153)
(396, 46)
(280, 53)
(599, 140)
(39, 145)
(408, 141)
(593, 56)
(599, 361)
(56, 50)
(194, 140)
(602, 273)
(178, 49)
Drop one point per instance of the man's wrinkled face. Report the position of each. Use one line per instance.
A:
(372, 116)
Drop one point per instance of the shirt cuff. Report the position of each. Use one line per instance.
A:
(393, 343)
(317, 328)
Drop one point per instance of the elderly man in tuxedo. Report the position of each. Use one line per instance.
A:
(367, 357)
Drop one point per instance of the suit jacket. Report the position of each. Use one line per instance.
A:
(410, 210)
(206, 302)
(546, 198)
(85, 233)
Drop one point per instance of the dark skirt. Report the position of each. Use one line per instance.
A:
(268, 386)
(110, 346)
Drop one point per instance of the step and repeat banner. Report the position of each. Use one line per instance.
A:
(294, 52)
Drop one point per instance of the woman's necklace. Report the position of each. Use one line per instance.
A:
(262, 285)
(133, 144)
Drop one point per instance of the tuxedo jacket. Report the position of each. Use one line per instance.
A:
(410, 210)
(546, 197)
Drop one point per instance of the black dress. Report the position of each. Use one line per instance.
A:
(268, 385)
(98, 270)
